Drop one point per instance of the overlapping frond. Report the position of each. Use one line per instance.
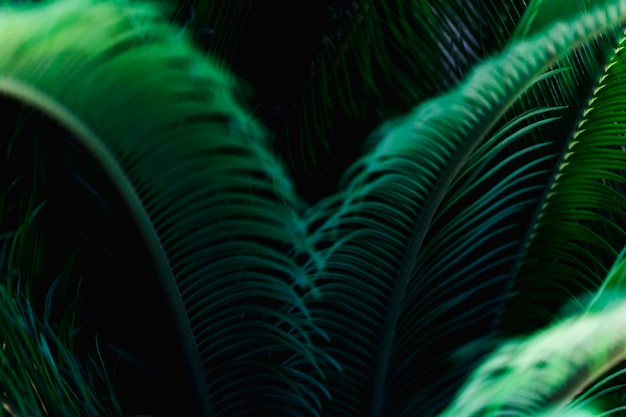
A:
(465, 262)
(552, 371)
(383, 59)
(379, 276)
(544, 372)
(215, 209)
(579, 227)
(374, 242)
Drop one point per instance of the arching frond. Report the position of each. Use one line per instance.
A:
(214, 207)
(383, 59)
(374, 240)
(546, 370)
(579, 228)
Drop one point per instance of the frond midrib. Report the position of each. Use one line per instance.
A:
(93, 144)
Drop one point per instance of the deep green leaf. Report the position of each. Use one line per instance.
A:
(214, 207)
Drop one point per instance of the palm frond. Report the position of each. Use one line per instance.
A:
(373, 236)
(215, 209)
(546, 370)
(367, 71)
(284, 309)
(546, 373)
(465, 262)
(579, 227)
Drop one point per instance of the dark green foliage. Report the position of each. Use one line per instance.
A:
(406, 177)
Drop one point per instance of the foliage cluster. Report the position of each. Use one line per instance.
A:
(204, 214)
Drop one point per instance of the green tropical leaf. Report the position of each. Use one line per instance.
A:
(543, 373)
(214, 207)
(546, 370)
(375, 237)
(349, 306)
(579, 227)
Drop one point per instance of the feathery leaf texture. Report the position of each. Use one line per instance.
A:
(285, 309)
(214, 206)
(545, 370)
(541, 373)
(390, 199)
(580, 228)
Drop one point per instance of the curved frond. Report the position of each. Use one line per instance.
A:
(373, 239)
(367, 71)
(545, 371)
(580, 226)
(464, 264)
(214, 207)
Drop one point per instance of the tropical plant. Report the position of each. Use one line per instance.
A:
(169, 252)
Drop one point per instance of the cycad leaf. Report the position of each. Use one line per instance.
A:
(543, 372)
(464, 264)
(579, 228)
(349, 91)
(214, 207)
(537, 16)
(372, 240)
